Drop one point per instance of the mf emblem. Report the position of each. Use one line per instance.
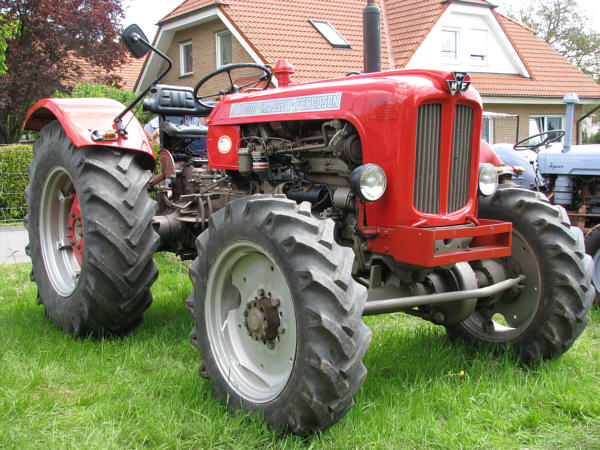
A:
(458, 84)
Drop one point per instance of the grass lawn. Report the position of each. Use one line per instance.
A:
(144, 390)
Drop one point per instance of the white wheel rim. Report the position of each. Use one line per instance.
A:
(255, 372)
(61, 265)
(518, 313)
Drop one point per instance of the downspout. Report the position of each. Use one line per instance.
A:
(388, 40)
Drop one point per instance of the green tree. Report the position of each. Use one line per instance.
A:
(53, 42)
(7, 29)
(561, 24)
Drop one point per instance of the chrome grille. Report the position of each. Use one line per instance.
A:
(427, 167)
(462, 136)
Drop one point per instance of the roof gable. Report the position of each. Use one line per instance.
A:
(277, 30)
(481, 43)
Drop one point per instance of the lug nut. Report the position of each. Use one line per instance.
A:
(270, 345)
(261, 292)
(281, 330)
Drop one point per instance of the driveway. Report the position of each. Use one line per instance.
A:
(12, 245)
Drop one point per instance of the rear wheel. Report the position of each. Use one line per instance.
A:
(592, 248)
(90, 236)
(278, 315)
(544, 318)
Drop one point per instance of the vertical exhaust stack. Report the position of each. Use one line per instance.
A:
(571, 100)
(372, 37)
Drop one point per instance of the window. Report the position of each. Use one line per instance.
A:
(479, 46)
(186, 60)
(224, 52)
(487, 131)
(541, 124)
(332, 35)
(449, 43)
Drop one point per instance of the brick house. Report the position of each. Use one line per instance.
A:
(516, 73)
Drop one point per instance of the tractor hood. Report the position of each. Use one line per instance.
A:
(580, 160)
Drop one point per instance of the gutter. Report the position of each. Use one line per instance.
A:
(191, 13)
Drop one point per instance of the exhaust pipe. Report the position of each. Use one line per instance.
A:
(571, 100)
(372, 37)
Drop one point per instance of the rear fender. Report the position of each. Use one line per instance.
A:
(79, 117)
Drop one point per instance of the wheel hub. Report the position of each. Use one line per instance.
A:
(262, 319)
(75, 229)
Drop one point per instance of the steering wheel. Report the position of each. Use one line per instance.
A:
(551, 136)
(233, 88)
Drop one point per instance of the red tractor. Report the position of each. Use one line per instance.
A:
(316, 204)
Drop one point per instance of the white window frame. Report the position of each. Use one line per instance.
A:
(329, 33)
(218, 37)
(474, 57)
(182, 60)
(490, 128)
(562, 117)
(445, 56)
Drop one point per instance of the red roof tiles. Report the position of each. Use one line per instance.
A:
(551, 74)
(280, 29)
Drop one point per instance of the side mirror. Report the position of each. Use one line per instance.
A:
(135, 40)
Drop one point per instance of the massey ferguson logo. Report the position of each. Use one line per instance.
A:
(458, 84)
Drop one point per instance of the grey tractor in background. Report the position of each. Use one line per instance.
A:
(568, 174)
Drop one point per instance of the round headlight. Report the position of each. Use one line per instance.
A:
(368, 182)
(488, 179)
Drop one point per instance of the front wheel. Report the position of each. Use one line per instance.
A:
(90, 236)
(278, 315)
(543, 319)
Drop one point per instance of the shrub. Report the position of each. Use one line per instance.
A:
(85, 89)
(13, 181)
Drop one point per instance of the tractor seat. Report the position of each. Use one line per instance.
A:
(184, 131)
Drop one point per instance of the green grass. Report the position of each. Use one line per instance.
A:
(144, 390)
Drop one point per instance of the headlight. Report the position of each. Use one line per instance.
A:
(368, 182)
(488, 179)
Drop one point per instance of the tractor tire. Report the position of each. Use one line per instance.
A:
(90, 236)
(542, 320)
(278, 314)
(592, 248)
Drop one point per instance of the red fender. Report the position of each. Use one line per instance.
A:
(488, 155)
(80, 116)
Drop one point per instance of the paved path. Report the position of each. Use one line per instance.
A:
(12, 245)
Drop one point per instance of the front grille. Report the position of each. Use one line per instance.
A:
(428, 155)
(458, 193)
(427, 168)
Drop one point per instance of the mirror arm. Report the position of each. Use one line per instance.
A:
(118, 120)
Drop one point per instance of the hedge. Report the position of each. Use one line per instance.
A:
(13, 181)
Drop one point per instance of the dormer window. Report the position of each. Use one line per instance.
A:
(333, 36)
(479, 46)
(450, 43)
